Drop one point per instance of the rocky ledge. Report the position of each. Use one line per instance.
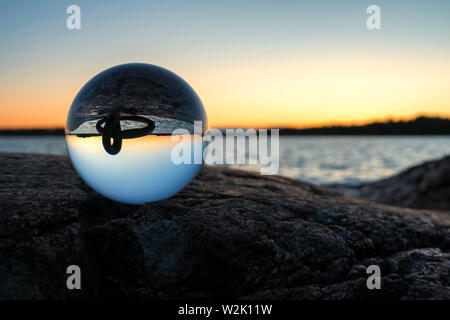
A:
(426, 186)
(228, 234)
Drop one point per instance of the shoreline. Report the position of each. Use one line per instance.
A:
(422, 186)
(422, 125)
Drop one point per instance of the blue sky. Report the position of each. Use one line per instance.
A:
(190, 37)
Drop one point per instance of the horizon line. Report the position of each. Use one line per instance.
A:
(280, 126)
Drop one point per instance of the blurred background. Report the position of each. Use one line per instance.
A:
(260, 64)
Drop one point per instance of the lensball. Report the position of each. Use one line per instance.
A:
(119, 132)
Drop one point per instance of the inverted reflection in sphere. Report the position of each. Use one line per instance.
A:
(119, 132)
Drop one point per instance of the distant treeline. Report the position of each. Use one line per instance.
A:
(419, 126)
(32, 132)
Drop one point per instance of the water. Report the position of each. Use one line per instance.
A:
(318, 159)
(34, 144)
(356, 159)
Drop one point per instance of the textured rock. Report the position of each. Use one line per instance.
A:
(228, 234)
(426, 186)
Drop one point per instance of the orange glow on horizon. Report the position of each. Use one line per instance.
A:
(295, 93)
(265, 126)
(339, 123)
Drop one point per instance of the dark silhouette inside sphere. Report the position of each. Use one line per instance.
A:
(133, 100)
(112, 130)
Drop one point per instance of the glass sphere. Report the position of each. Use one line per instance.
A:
(119, 132)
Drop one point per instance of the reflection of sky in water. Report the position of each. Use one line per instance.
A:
(141, 172)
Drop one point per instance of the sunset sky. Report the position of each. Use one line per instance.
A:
(252, 63)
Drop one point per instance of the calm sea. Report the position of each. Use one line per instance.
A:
(318, 159)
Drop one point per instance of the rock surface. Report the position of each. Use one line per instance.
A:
(426, 186)
(228, 234)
